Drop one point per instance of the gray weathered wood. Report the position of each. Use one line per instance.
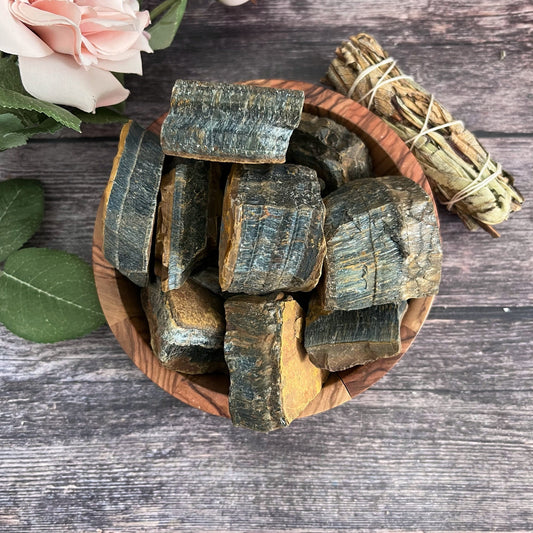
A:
(186, 327)
(443, 442)
(227, 122)
(338, 340)
(335, 153)
(382, 243)
(272, 235)
(271, 377)
(131, 196)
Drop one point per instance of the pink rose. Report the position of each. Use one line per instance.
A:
(68, 48)
(233, 2)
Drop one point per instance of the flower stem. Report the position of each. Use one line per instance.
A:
(161, 8)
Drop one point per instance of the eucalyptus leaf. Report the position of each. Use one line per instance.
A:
(48, 296)
(15, 100)
(21, 213)
(164, 30)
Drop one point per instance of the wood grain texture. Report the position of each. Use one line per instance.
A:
(389, 155)
(443, 443)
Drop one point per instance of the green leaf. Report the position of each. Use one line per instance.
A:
(103, 115)
(38, 116)
(10, 79)
(12, 140)
(120, 107)
(21, 213)
(163, 31)
(160, 9)
(15, 100)
(28, 118)
(48, 296)
(13, 133)
(48, 125)
(10, 74)
(121, 76)
(10, 133)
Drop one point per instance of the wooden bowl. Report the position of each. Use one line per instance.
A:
(120, 299)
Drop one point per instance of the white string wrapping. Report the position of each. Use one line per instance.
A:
(476, 185)
(423, 131)
(364, 73)
(382, 81)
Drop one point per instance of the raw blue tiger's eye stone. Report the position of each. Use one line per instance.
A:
(335, 153)
(130, 202)
(230, 122)
(272, 230)
(338, 340)
(383, 244)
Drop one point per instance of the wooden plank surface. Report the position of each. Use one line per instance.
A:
(442, 443)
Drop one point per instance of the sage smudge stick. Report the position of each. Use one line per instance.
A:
(461, 172)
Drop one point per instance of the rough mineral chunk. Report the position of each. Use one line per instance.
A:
(272, 230)
(186, 223)
(383, 244)
(338, 340)
(271, 377)
(226, 122)
(130, 202)
(335, 153)
(208, 277)
(186, 327)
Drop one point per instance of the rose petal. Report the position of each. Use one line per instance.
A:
(130, 65)
(16, 38)
(63, 39)
(143, 43)
(59, 79)
(110, 43)
(129, 7)
(233, 2)
(47, 10)
(57, 24)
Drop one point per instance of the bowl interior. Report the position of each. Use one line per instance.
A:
(120, 299)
